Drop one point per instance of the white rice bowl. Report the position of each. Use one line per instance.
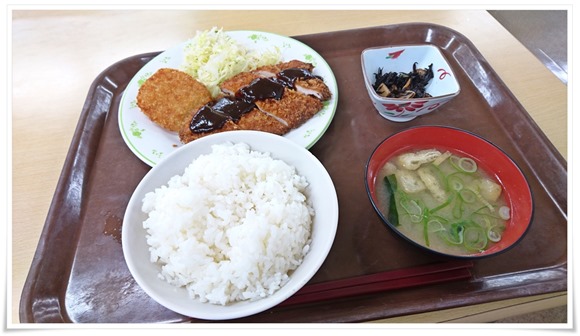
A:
(232, 227)
(255, 250)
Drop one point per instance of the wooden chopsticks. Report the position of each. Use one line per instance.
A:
(382, 281)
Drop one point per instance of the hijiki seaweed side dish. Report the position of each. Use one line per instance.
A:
(403, 85)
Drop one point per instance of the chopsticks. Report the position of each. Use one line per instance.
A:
(382, 281)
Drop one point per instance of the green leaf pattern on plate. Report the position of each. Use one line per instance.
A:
(308, 133)
(309, 58)
(136, 131)
(257, 38)
(143, 78)
(157, 153)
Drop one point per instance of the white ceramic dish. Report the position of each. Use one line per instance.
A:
(443, 87)
(322, 194)
(151, 143)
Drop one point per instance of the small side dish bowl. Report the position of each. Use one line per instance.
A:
(404, 59)
(489, 158)
(320, 191)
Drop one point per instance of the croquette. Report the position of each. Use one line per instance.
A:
(169, 96)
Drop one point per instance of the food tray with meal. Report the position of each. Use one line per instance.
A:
(79, 273)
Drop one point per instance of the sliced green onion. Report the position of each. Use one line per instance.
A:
(454, 182)
(467, 195)
(482, 220)
(457, 208)
(493, 234)
(426, 232)
(474, 238)
(444, 204)
(435, 225)
(504, 213)
(454, 236)
(454, 160)
(467, 165)
(413, 209)
(485, 211)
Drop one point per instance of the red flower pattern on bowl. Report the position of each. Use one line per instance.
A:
(409, 106)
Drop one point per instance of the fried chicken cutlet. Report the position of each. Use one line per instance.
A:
(232, 85)
(169, 96)
(274, 102)
(273, 70)
(254, 120)
(313, 87)
(293, 109)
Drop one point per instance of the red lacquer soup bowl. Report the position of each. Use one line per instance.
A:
(490, 158)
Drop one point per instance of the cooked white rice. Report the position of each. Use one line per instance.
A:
(232, 227)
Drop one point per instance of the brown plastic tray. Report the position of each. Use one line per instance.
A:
(78, 273)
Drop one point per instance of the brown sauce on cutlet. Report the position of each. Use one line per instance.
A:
(232, 107)
(261, 89)
(214, 115)
(289, 76)
(207, 119)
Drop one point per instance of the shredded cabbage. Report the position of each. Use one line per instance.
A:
(212, 56)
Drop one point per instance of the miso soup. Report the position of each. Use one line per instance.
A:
(443, 201)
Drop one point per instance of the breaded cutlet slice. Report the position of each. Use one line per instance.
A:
(296, 64)
(186, 135)
(232, 85)
(293, 108)
(257, 120)
(169, 96)
(313, 87)
(272, 70)
(254, 120)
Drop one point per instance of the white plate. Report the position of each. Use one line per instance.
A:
(151, 143)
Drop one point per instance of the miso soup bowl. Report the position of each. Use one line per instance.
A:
(400, 59)
(494, 161)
